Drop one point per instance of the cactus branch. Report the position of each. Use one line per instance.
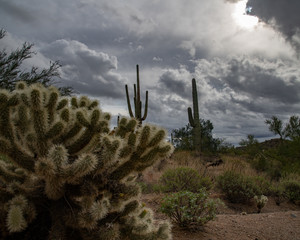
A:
(128, 101)
(137, 100)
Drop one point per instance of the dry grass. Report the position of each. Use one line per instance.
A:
(188, 159)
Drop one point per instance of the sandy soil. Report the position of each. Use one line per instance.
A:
(240, 222)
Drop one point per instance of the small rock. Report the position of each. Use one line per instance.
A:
(293, 215)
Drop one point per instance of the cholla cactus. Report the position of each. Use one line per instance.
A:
(260, 201)
(64, 175)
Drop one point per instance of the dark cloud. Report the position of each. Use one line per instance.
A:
(170, 81)
(87, 71)
(285, 13)
(99, 42)
(17, 12)
(257, 80)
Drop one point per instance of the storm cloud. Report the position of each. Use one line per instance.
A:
(283, 15)
(244, 74)
(86, 70)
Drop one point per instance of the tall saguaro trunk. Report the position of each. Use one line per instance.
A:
(194, 118)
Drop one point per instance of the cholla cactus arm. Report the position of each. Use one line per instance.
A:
(73, 174)
(20, 157)
(18, 208)
(145, 151)
(7, 173)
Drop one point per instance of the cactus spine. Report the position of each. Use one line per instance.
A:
(194, 120)
(65, 175)
(137, 100)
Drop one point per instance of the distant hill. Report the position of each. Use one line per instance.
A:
(267, 144)
(272, 143)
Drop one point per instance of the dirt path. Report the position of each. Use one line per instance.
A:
(268, 226)
(275, 223)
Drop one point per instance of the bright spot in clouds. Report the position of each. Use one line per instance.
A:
(241, 18)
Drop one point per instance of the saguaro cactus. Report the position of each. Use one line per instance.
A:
(194, 119)
(65, 175)
(137, 100)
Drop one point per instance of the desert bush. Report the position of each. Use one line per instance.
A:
(268, 162)
(67, 176)
(189, 210)
(238, 188)
(263, 184)
(149, 187)
(291, 190)
(277, 192)
(183, 179)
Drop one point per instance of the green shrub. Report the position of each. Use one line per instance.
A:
(189, 210)
(149, 187)
(263, 185)
(237, 187)
(183, 179)
(277, 192)
(291, 190)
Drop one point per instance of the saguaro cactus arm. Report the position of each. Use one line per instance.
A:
(137, 100)
(128, 102)
(191, 119)
(146, 107)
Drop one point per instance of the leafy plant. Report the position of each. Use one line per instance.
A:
(183, 179)
(149, 187)
(11, 73)
(291, 189)
(251, 145)
(237, 187)
(263, 184)
(291, 129)
(275, 126)
(189, 210)
(182, 138)
(276, 191)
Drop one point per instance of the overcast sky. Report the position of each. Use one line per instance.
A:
(246, 66)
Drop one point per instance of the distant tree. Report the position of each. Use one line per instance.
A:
(275, 126)
(183, 137)
(250, 145)
(250, 141)
(207, 140)
(292, 128)
(10, 71)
